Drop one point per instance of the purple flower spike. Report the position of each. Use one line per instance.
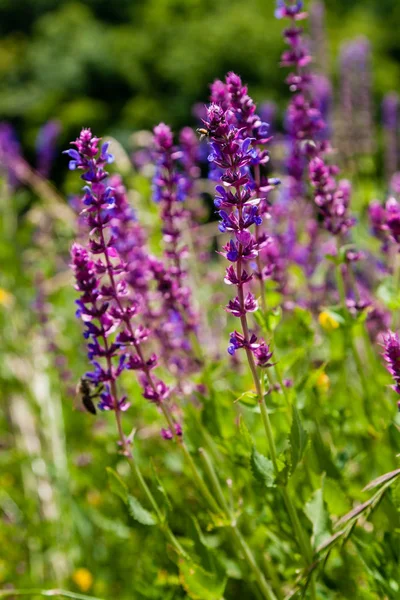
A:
(233, 128)
(173, 183)
(307, 128)
(391, 355)
(102, 276)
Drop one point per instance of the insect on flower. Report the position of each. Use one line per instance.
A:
(203, 133)
(87, 391)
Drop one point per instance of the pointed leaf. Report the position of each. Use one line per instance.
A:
(317, 512)
(245, 435)
(139, 513)
(355, 512)
(117, 485)
(200, 584)
(330, 540)
(247, 399)
(262, 468)
(382, 479)
(161, 493)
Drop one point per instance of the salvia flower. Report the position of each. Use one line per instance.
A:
(390, 121)
(305, 124)
(105, 306)
(356, 97)
(238, 207)
(170, 189)
(391, 356)
(385, 221)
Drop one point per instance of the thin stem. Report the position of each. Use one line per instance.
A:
(341, 286)
(161, 520)
(188, 457)
(352, 344)
(263, 584)
(361, 374)
(301, 539)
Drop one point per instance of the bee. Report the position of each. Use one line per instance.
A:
(87, 392)
(203, 133)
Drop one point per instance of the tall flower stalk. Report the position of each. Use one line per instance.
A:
(238, 208)
(100, 280)
(170, 189)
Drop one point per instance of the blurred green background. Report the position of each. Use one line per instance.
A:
(123, 65)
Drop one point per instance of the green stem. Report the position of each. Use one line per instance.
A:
(280, 381)
(197, 477)
(302, 540)
(341, 286)
(361, 374)
(353, 347)
(160, 518)
(263, 585)
(146, 490)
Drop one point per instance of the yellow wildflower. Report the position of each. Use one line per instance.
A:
(323, 382)
(5, 298)
(327, 321)
(83, 579)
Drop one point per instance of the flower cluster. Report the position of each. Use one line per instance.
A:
(356, 97)
(99, 325)
(385, 221)
(390, 122)
(10, 153)
(237, 206)
(304, 123)
(331, 197)
(105, 305)
(170, 188)
(391, 355)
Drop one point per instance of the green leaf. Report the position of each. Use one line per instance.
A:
(382, 479)
(114, 526)
(261, 320)
(248, 399)
(291, 358)
(200, 584)
(388, 294)
(140, 514)
(161, 493)
(245, 435)
(117, 486)
(298, 439)
(262, 468)
(317, 512)
(274, 317)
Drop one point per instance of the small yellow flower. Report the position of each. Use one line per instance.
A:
(327, 321)
(83, 579)
(94, 498)
(323, 382)
(5, 298)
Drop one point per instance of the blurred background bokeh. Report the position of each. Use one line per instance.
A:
(124, 65)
